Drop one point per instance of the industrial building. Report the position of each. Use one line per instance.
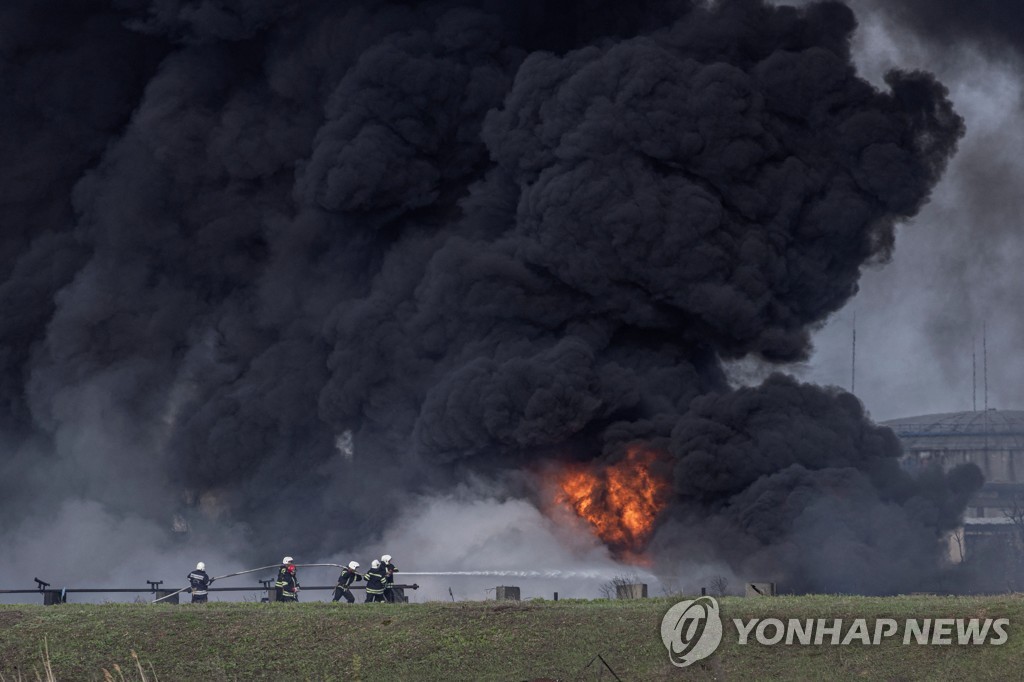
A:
(994, 441)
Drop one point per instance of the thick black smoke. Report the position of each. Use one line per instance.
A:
(463, 237)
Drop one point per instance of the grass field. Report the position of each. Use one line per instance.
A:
(480, 641)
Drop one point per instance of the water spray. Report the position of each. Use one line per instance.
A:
(594, 575)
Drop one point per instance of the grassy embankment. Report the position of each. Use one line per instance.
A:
(480, 641)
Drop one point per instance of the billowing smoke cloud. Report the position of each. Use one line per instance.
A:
(796, 471)
(468, 238)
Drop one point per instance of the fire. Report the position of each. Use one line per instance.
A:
(621, 501)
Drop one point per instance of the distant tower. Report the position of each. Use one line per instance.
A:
(853, 358)
(984, 355)
(974, 375)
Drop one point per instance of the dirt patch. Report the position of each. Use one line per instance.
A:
(8, 618)
(512, 606)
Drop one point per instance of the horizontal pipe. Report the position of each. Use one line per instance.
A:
(211, 589)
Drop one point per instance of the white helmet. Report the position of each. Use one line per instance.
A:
(200, 566)
(374, 564)
(386, 558)
(287, 560)
(353, 565)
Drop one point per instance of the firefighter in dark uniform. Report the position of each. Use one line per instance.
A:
(200, 581)
(389, 577)
(287, 581)
(376, 578)
(348, 576)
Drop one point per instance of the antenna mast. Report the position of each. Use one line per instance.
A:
(853, 358)
(974, 374)
(984, 354)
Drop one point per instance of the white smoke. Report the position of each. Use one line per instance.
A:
(473, 542)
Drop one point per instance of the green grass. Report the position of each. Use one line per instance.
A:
(480, 641)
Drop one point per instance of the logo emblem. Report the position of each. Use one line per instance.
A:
(691, 630)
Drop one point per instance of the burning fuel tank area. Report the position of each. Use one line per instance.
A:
(469, 285)
(784, 482)
(621, 502)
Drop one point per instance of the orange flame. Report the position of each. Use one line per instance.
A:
(621, 501)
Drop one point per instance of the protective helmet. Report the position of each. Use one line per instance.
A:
(287, 560)
(374, 564)
(386, 558)
(353, 565)
(200, 566)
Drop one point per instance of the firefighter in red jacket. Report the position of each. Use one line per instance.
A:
(287, 581)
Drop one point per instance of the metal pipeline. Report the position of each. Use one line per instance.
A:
(137, 590)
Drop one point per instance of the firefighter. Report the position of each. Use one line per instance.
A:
(376, 579)
(348, 576)
(389, 577)
(200, 581)
(287, 581)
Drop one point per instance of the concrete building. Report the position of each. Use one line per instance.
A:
(994, 441)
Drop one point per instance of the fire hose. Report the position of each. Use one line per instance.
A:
(231, 575)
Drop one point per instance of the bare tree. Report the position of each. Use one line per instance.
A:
(1015, 512)
(610, 589)
(670, 587)
(720, 585)
(958, 538)
(1015, 549)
